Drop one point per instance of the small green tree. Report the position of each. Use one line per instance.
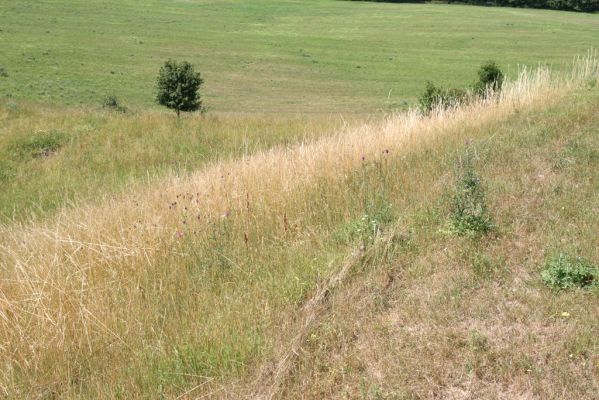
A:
(430, 98)
(178, 87)
(489, 77)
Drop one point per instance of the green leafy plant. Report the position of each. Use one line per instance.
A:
(112, 103)
(566, 272)
(435, 96)
(470, 215)
(178, 87)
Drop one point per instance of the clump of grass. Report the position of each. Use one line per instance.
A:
(41, 144)
(470, 215)
(112, 103)
(3, 72)
(369, 226)
(6, 170)
(567, 272)
(377, 211)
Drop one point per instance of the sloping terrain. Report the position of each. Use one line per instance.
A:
(440, 316)
(326, 269)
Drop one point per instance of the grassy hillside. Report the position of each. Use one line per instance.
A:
(51, 156)
(200, 285)
(434, 315)
(273, 248)
(272, 56)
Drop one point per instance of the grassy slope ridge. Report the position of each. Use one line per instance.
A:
(52, 157)
(438, 316)
(272, 56)
(189, 285)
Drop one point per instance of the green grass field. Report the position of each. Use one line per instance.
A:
(272, 56)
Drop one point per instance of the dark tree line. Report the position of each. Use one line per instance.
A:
(565, 5)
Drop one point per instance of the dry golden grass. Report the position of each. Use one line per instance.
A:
(102, 152)
(186, 286)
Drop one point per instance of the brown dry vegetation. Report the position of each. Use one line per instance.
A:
(191, 286)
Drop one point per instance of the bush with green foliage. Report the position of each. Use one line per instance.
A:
(490, 79)
(470, 215)
(435, 96)
(566, 272)
(112, 103)
(178, 87)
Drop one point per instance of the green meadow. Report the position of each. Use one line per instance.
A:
(272, 56)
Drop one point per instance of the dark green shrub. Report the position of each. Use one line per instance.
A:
(490, 78)
(565, 272)
(3, 72)
(112, 103)
(435, 96)
(178, 87)
(469, 214)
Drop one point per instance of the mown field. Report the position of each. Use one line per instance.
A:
(272, 56)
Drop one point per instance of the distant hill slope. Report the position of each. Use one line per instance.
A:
(272, 56)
